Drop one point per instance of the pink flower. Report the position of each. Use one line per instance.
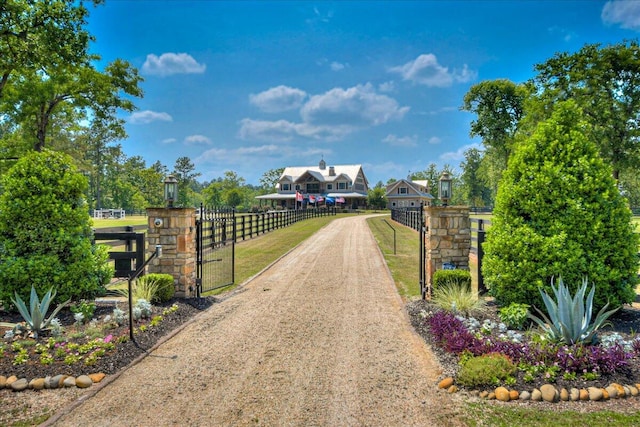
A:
(108, 338)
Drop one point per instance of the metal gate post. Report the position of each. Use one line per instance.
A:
(422, 232)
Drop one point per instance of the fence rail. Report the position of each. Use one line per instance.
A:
(410, 217)
(128, 260)
(252, 225)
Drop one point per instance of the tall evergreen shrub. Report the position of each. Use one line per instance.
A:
(45, 231)
(559, 213)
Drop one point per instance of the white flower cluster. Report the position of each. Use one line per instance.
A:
(487, 327)
(608, 340)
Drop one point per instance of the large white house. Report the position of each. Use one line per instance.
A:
(306, 186)
(405, 193)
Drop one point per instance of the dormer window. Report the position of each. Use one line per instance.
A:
(286, 187)
(402, 190)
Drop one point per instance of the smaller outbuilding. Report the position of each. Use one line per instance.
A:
(405, 193)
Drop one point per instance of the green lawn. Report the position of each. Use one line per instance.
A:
(129, 220)
(404, 264)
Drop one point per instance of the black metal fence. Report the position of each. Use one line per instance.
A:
(253, 224)
(410, 217)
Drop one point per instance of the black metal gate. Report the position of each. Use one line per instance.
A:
(422, 231)
(215, 248)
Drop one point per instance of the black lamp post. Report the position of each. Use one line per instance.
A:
(170, 190)
(444, 188)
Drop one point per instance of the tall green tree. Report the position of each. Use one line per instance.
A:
(605, 83)
(184, 170)
(499, 106)
(431, 174)
(473, 189)
(41, 99)
(38, 34)
(560, 213)
(269, 180)
(377, 197)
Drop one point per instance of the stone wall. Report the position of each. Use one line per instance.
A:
(175, 230)
(448, 238)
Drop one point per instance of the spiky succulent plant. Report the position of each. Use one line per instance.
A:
(569, 319)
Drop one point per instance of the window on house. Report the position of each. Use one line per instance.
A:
(297, 187)
(393, 204)
(313, 187)
(402, 190)
(342, 186)
(329, 186)
(286, 187)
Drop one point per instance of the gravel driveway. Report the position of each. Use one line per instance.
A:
(319, 339)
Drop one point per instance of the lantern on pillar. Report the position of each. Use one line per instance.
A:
(170, 190)
(444, 188)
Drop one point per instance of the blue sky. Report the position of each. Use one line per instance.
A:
(252, 86)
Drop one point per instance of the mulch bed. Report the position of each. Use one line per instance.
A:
(626, 322)
(115, 360)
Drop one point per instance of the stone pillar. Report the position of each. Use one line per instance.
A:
(175, 230)
(448, 238)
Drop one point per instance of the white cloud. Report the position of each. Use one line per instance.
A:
(625, 13)
(387, 87)
(172, 63)
(565, 34)
(401, 141)
(329, 116)
(280, 130)
(278, 99)
(148, 116)
(356, 106)
(336, 66)
(169, 141)
(262, 150)
(426, 70)
(434, 140)
(458, 155)
(197, 139)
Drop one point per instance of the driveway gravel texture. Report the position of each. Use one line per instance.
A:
(320, 338)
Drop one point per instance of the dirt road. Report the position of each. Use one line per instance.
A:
(319, 339)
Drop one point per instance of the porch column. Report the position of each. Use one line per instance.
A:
(175, 230)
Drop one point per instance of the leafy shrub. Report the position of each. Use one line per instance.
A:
(153, 287)
(45, 231)
(514, 315)
(569, 318)
(87, 309)
(458, 298)
(163, 283)
(559, 212)
(443, 278)
(486, 369)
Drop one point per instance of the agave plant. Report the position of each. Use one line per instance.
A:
(35, 317)
(569, 318)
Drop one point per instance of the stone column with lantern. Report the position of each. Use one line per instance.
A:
(448, 233)
(175, 229)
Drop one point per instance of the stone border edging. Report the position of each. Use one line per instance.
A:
(550, 393)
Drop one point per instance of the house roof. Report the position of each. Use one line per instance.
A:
(414, 185)
(296, 173)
